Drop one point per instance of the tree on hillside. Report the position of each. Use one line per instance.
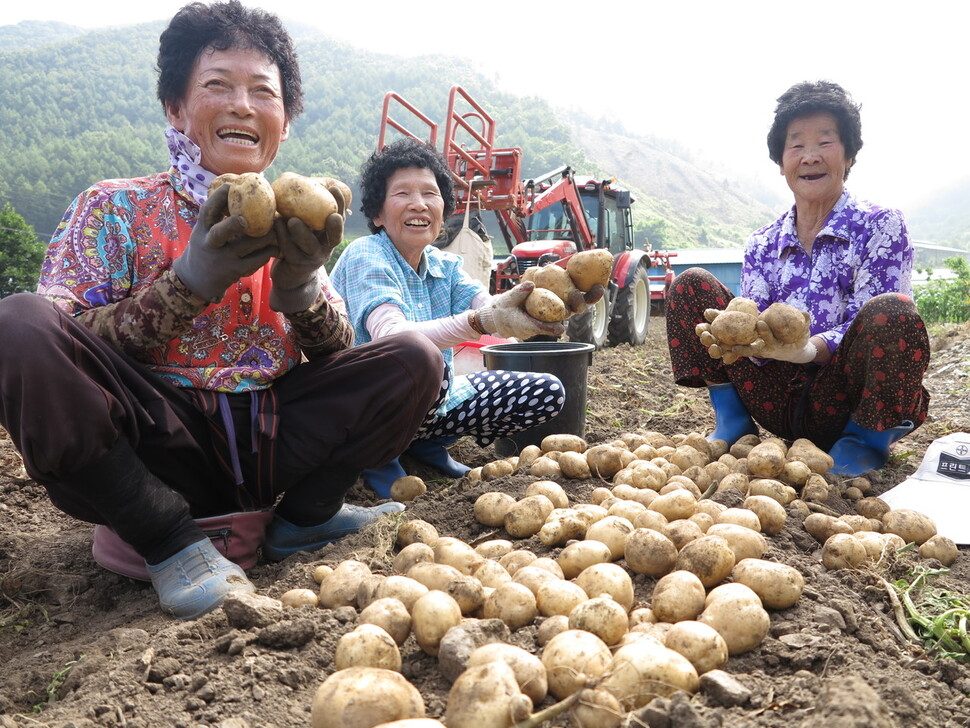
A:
(21, 253)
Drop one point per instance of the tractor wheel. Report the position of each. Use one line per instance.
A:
(631, 314)
(591, 326)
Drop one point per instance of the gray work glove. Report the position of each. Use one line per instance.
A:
(219, 253)
(506, 316)
(301, 254)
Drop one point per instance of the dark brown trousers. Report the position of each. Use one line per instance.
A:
(67, 397)
(874, 377)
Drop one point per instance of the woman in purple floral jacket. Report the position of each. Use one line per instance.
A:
(856, 386)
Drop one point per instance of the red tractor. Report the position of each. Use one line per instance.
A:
(546, 219)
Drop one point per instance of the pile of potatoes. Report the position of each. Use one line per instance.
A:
(602, 653)
(741, 324)
(560, 292)
(291, 195)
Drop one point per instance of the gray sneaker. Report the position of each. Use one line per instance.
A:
(196, 580)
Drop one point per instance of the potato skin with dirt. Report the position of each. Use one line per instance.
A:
(251, 196)
(590, 267)
(361, 697)
(544, 305)
(305, 198)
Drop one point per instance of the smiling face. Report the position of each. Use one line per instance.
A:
(233, 109)
(413, 211)
(813, 162)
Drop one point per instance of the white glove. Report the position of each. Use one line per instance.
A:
(797, 353)
(506, 316)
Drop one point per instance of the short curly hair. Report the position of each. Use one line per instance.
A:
(813, 97)
(403, 153)
(220, 26)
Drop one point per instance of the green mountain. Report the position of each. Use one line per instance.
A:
(78, 106)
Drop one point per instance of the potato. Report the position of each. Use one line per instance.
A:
(554, 278)
(486, 696)
(744, 542)
(250, 196)
(321, 572)
(389, 614)
(367, 646)
(525, 517)
(771, 514)
(677, 596)
(416, 530)
(610, 579)
(782, 493)
(546, 466)
(407, 488)
(296, 598)
(516, 559)
(434, 576)
(368, 588)
(551, 490)
(605, 461)
(743, 516)
(842, 551)
(815, 458)
(613, 531)
(643, 670)
(572, 657)
(344, 199)
(403, 588)
(558, 596)
(362, 697)
(514, 604)
(527, 456)
(766, 460)
(742, 624)
(304, 198)
(577, 556)
(941, 548)
(602, 616)
(649, 552)
(596, 709)
(457, 553)
(490, 508)
(740, 303)
(573, 465)
(778, 585)
(530, 674)
(682, 531)
(432, 615)
(700, 643)
(787, 323)
(544, 305)
(590, 267)
(550, 627)
(412, 554)
(497, 469)
(339, 589)
(909, 525)
(872, 507)
(558, 531)
(734, 328)
(709, 557)
(491, 573)
(822, 525)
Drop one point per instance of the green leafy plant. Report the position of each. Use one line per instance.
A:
(56, 681)
(946, 300)
(933, 615)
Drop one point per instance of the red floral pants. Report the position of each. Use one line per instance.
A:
(874, 377)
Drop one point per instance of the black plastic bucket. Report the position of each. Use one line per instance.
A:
(568, 360)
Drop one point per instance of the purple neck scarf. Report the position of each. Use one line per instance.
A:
(186, 159)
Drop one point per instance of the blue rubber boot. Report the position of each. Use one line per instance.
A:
(284, 539)
(380, 479)
(731, 417)
(435, 454)
(859, 450)
(196, 580)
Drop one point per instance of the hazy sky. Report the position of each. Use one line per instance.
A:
(704, 73)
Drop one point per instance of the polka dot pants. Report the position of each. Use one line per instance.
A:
(506, 402)
(874, 377)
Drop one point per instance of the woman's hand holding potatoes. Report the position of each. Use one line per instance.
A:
(310, 226)
(220, 252)
(301, 254)
(506, 316)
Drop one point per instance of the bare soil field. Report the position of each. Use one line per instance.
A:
(82, 647)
